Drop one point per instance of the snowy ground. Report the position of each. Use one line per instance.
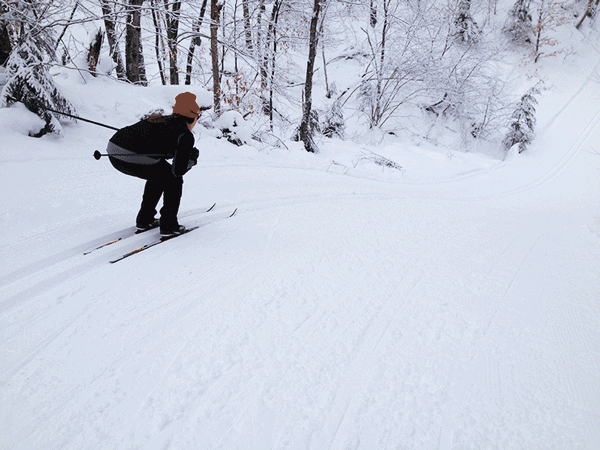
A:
(453, 305)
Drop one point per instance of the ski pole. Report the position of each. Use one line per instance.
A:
(65, 114)
(98, 155)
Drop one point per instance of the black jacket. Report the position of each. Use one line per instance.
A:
(168, 138)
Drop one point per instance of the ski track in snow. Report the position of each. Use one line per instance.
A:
(377, 316)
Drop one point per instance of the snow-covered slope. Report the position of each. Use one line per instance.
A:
(452, 304)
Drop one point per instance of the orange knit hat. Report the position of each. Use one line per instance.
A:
(185, 105)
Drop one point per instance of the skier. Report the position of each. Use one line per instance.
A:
(141, 150)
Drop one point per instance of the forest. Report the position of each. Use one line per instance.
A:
(304, 68)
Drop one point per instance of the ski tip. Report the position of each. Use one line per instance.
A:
(233, 213)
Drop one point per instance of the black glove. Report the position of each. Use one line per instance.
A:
(194, 153)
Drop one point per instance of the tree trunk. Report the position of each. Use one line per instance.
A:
(588, 13)
(223, 23)
(93, 56)
(215, 13)
(373, 14)
(384, 30)
(328, 93)
(134, 56)
(247, 24)
(172, 33)
(195, 42)
(111, 36)
(273, 37)
(158, 44)
(261, 52)
(306, 130)
(538, 32)
(5, 46)
(269, 57)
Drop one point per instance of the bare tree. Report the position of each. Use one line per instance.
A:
(172, 19)
(67, 24)
(111, 36)
(306, 130)
(194, 43)
(590, 11)
(158, 42)
(550, 15)
(261, 52)
(273, 41)
(377, 113)
(382, 82)
(538, 30)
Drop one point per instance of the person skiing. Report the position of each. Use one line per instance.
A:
(141, 150)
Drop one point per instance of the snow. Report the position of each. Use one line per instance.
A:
(451, 303)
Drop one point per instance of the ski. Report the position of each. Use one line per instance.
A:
(130, 234)
(147, 246)
(152, 227)
(161, 240)
(103, 245)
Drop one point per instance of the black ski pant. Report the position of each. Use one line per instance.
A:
(159, 181)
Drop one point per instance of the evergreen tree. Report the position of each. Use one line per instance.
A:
(29, 82)
(466, 30)
(523, 122)
(519, 27)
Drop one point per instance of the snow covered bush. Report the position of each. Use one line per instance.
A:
(428, 60)
(368, 99)
(378, 160)
(333, 121)
(29, 82)
(523, 122)
(234, 128)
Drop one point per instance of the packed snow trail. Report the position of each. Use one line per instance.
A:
(331, 312)
(420, 323)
